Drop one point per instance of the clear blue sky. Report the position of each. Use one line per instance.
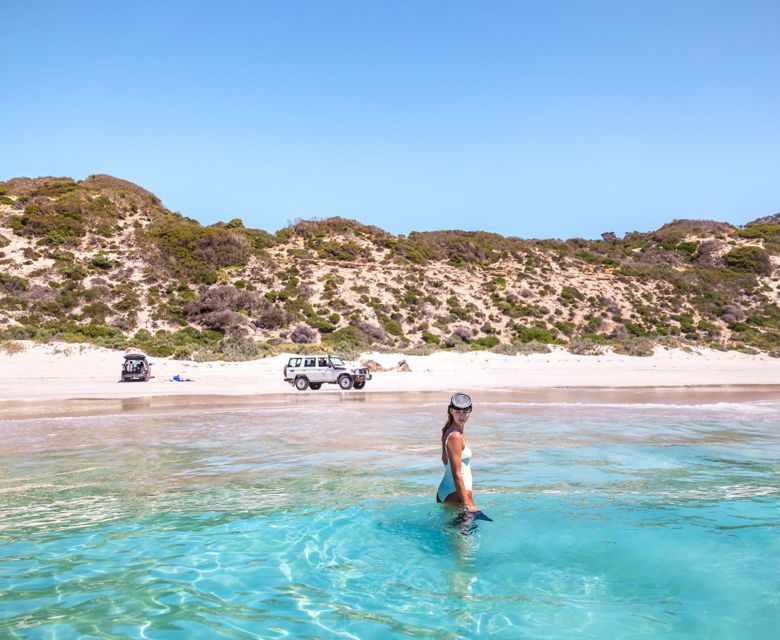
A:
(535, 119)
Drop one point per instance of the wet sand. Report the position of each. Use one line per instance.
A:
(75, 407)
(71, 380)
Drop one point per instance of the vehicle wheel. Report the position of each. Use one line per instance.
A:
(359, 384)
(301, 384)
(345, 382)
(315, 385)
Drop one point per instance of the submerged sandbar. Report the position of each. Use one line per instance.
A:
(400, 400)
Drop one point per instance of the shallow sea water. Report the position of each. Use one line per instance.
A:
(319, 521)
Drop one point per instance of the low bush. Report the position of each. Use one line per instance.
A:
(749, 259)
(463, 332)
(571, 294)
(393, 327)
(273, 318)
(223, 320)
(373, 333)
(430, 338)
(506, 349)
(482, 344)
(533, 334)
(67, 219)
(348, 251)
(586, 346)
(188, 250)
(303, 334)
(534, 346)
(420, 350)
(224, 298)
(10, 347)
(13, 285)
(732, 313)
(101, 261)
(640, 347)
(758, 230)
(238, 350)
(347, 342)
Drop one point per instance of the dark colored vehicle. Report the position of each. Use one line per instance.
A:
(136, 368)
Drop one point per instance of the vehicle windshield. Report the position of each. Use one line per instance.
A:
(338, 363)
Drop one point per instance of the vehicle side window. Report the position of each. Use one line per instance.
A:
(294, 362)
(309, 362)
(322, 362)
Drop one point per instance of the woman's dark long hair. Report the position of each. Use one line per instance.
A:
(444, 431)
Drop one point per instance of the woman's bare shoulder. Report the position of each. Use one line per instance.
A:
(455, 438)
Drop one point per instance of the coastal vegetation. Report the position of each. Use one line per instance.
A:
(103, 261)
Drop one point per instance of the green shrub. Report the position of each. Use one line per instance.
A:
(11, 303)
(482, 344)
(587, 345)
(73, 271)
(13, 284)
(687, 247)
(506, 349)
(320, 323)
(102, 261)
(393, 327)
(635, 329)
(96, 310)
(348, 251)
(66, 219)
(749, 259)
(571, 294)
(184, 343)
(641, 347)
(594, 337)
(566, 328)
(760, 231)
(430, 338)
(531, 334)
(528, 348)
(347, 342)
(191, 251)
(240, 350)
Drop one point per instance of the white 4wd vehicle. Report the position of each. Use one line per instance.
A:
(311, 372)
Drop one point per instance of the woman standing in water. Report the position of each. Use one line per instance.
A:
(455, 486)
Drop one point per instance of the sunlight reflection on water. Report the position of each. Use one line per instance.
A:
(609, 521)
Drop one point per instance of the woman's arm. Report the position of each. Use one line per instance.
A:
(454, 448)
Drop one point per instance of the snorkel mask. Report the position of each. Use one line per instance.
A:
(460, 402)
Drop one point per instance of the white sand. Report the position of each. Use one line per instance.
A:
(65, 371)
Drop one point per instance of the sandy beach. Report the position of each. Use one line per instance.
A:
(60, 379)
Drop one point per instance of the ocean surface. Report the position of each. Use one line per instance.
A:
(319, 521)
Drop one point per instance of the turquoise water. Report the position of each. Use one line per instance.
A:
(633, 521)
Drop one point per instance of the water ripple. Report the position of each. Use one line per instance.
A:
(608, 521)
